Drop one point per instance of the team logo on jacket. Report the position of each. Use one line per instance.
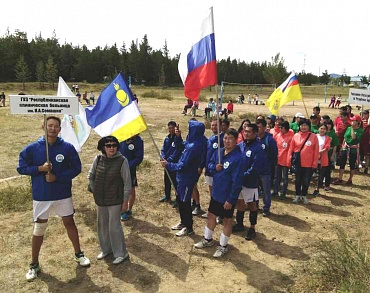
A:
(226, 165)
(131, 147)
(173, 144)
(263, 146)
(59, 158)
(215, 145)
(308, 143)
(285, 144)
(248, 153)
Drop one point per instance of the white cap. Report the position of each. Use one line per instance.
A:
(300, 115)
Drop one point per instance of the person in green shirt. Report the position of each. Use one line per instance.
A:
(315, 123)
(350, 148)
(334, 144)
(295, 124)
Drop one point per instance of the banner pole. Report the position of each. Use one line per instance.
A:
(304, 104)
(46, 141)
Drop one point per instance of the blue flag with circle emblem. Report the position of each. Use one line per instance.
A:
(116, 112)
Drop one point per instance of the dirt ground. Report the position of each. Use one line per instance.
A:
(159, 261)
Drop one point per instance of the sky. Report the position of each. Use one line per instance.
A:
(310, 35)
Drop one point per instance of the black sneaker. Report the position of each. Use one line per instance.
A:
(238, 228)
(251, 234)
(175, 204)
(165, 199)
(266, 213)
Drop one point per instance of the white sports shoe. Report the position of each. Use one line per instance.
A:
(120, 259)
(221, 251)
(33, 272)
(184, 231)
(297, 199)
(82, 260)
(305, 200)
(204, 243)
(102, 255)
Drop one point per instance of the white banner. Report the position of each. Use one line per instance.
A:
(359, 97)
(52, 105)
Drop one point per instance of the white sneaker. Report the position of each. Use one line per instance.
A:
(204, 243)
(82, 260)
(297, 199)
(221, 251)
(184, 232)
(179, 226)
(196, 211)
(205, 215)
(305, 200)
(120, 259)
(33, 272)
(102, 255)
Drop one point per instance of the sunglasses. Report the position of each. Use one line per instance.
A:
(114, 145)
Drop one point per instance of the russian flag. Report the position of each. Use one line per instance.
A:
(197, 67)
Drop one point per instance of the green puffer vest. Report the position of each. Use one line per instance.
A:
(108, 190)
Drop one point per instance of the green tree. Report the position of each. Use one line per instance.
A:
(40, 74)
(307, 78)
(364, 80)
(324, 78)
(51, 72)
(275, 71)
(22, 73)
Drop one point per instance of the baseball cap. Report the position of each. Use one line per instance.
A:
(272, 117)
(299, 115)
(356, 118)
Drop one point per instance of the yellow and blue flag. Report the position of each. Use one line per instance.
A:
(116, 113)
(288, 91)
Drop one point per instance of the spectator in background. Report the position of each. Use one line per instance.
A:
(189, 105)
(332, 102)
(136, 99)
(314, 123)
(271, 121)
(85, 98)
(316, 111)
(256, 99)
(230, 107)
(339, 100)
(2, 99)
(78, 95)
(211, 107)
(334, 145)
(194, 108)
(249, 99)
(92, 97)
(341, 123)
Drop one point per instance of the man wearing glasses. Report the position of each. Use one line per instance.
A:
(51, 188)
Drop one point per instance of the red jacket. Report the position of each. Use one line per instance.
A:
(283, 143)
(309, 153)
(324, 158)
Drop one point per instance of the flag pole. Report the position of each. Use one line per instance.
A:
(217, 103)
(46, 141)
(304, 104)
(160, 157)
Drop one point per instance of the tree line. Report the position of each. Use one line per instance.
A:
(43, 60)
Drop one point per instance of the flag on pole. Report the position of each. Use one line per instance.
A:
(75, 129)
(288, 91)
(115, 112)
(197, 65)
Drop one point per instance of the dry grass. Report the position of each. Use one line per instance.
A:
(160, 262)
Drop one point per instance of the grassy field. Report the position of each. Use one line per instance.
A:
(283, 257)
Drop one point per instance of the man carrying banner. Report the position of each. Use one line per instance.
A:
(51, 188)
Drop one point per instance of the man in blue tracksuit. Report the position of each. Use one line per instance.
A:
(187, 174)
(228, 178)
(133, 150)
(51, 188)
(171, 152)
(268, 163)
(212, 147)
(252, 151)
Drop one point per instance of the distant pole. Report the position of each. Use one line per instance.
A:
(326, 90)
(129, 81)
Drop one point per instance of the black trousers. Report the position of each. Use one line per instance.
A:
(167, 183)
(302, 180)
(185, 213)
